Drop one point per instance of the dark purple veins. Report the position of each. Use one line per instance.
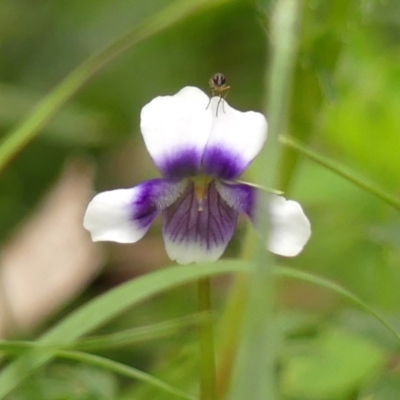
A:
(212, 226)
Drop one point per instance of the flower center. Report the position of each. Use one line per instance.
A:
(201, 183)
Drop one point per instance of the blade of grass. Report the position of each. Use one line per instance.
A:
(45, 110)
(123, 369)
(291, 273)
(123, 338)
(254, 375)
(10, 346)
(98, 361)
(228, 333)
(206, 343)
(341, 170)
(108, 306)
(139, 335)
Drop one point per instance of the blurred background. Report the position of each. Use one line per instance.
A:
(345, 104)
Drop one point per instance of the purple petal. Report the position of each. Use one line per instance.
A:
(198, 231)
(125, 215)
(223, 163)
(181, 163)
(239, 196)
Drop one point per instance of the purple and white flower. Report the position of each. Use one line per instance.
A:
(200, 155)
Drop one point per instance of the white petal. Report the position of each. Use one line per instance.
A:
(236, 138)
(125, 215)
(108, 217)
(291, 228)
(187, 253)
(176, 129)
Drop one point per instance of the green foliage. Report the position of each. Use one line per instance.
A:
(330, 366)
(67, 382)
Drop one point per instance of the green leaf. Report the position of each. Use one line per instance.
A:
(331, 366)
(386, 387)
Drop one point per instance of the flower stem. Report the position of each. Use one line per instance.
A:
(206, 343)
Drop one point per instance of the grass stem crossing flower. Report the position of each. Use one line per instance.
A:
(200, 155)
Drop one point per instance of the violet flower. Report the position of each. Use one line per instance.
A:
(200, 155)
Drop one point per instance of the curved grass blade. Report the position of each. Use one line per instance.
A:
(102, 309)
(142, 334)
(45, 110)
(123, 369)
(334, 287)
(342, 171)
(128, 337)
(98, 361)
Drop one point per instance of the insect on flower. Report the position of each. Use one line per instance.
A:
(218, 87)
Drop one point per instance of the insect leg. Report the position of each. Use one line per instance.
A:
(224, 97)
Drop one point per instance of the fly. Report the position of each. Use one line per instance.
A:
(218, 88)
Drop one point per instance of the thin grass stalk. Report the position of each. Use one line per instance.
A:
(206, 343)
(343, 171)
(254, 375)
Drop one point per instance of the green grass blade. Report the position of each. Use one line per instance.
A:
(208, 384)
(108, 306)
(45, 110)
(142, 334)
(123, 369)
(128, 337)
(254, 375)
(341, 170)
(291, 273)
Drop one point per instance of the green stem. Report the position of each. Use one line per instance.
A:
(229, 333)
(342, 171)
(206, 343)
